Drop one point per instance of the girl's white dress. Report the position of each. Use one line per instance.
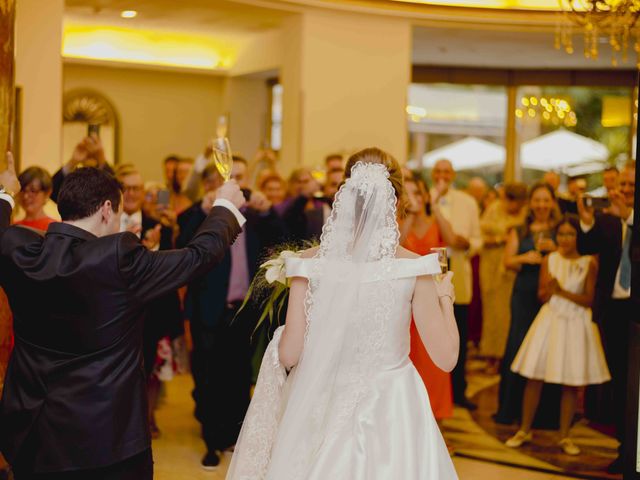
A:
(563, 344)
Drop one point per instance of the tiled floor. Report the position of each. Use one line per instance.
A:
(178, 451)
(478, 436)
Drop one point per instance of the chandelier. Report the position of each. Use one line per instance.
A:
(599, 21)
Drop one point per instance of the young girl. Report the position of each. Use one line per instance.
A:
(562, 345)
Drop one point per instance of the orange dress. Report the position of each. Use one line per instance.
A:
(437, 381)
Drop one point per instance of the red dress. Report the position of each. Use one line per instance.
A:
(40, 224)
(437, 381)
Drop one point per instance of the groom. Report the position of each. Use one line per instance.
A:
(74, 404)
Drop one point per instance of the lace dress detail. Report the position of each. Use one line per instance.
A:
(354, 373)
(261, 424)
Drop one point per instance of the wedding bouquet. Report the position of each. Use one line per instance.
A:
(270, 286)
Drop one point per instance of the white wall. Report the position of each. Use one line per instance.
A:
(39, 74)
(345, 80)
(246, 101)
(160, 113)
(356, 71)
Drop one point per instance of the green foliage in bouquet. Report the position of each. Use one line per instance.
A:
(270, 287)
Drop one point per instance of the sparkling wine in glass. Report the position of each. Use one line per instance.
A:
(222, 156)
(538, 238)
(442, 260)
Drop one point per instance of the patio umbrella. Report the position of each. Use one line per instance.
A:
(471, 152)
(560, 150)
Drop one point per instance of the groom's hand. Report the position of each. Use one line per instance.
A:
(231, 191)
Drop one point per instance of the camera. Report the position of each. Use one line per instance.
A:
(599, 203)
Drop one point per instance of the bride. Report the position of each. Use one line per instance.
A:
(337, 396)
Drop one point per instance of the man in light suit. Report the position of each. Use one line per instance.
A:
(74, 403)
(461, 210)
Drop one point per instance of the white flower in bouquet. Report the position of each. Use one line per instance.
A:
(275, 269)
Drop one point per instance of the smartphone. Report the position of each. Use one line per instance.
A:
(163, 198)
(93, 129)
(598, 203)
(247, 194)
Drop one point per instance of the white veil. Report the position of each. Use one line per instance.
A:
(347, 305)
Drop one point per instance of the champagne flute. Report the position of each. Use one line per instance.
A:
(442, 260)
(538, 238)
(222, 156)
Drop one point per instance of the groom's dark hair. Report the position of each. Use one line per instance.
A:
(85, 190)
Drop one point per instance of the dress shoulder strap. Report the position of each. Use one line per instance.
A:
(299, 267)
(415, 267)
(395, 269)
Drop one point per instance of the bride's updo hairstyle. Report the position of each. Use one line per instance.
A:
(375, 155)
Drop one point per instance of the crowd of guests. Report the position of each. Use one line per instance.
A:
(532, 269)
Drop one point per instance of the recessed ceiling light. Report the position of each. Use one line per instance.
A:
(128, 14)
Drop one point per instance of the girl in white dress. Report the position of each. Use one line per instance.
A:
(352, 406)
(562, 345)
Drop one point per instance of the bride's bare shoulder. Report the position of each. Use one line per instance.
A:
(309, 252)
(402, 252)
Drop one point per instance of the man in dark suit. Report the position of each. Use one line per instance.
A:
(221, 361)
(608, 235)
(164, 315)
(74, 403)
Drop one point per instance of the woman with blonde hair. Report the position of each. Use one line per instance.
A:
(352, 405)
(496, 281)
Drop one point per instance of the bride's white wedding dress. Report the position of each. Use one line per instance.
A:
(354, 408)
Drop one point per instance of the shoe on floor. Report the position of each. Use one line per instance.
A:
(466, 403)
(519, 439)
(569, 447)
(210, 461)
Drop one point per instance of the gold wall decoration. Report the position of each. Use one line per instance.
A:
(87, 107)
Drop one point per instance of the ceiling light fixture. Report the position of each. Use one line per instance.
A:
(599, 22)
(128, 14)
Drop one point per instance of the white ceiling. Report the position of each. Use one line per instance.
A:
(194, 16)
(237, 22)
(501, 49)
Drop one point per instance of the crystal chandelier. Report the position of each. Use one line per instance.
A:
(613, 21)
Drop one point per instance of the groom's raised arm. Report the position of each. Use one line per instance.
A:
(151, 274)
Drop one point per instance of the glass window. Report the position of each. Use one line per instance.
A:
(465, 124)
(575, 131)
(276, 117)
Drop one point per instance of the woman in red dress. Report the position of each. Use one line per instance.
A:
(422, 229)
(36, 186)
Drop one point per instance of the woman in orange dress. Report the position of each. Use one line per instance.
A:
(421, 230)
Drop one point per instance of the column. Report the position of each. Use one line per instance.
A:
(345, 80)
(39, 76)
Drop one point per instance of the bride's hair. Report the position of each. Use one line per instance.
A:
(376, 155)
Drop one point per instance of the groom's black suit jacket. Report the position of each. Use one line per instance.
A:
(74, 395)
